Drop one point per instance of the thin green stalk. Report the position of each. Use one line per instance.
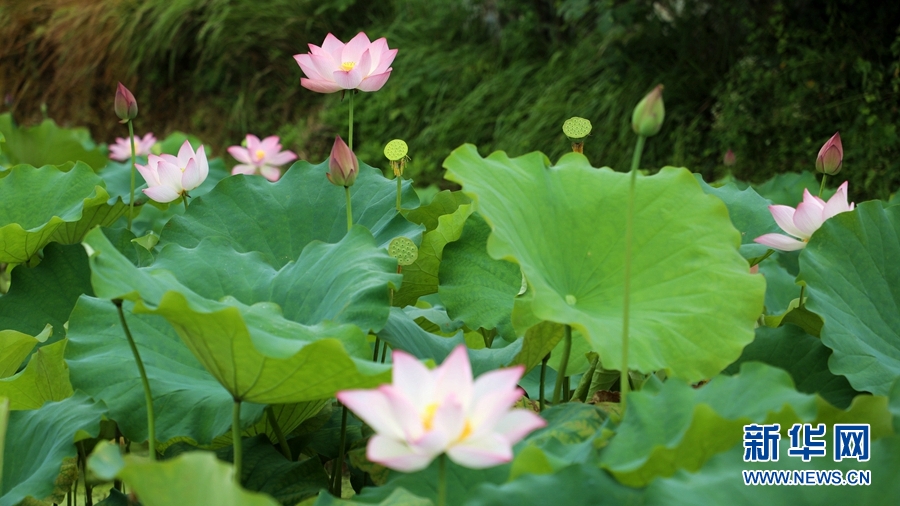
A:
(184, 198)
(377, 344)
(541, 400)
(282, 442)
(131, 202)
(384, 348)
(442, 480)
(148, 397)
(629, 236)
(399, 189)
(822, 186)
(351, 119)
(802, 289)
(339, 465)
(563, 364)
(236, 439)
(349, 209)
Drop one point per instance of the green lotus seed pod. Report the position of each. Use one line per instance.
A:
(396, 150)
(404, 250)
(576, 129)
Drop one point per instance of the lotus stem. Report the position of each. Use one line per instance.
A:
(184, 199)
(563, 364)
(131, 201)
(629, 236)
(822, 186)
(349, 209)
(236, 439)
(442, 480)
(339, 464)
(377, 345)
(148, 397)
(802, 289)
(399, 189)
(282, 442)
(541, 400)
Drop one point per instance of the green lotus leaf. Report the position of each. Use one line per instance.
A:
(803, 356)
(189, 402)
(48, 144)
(573, 485)
(288, 417)
(680, 427)
(279, 219)
(402, 333)
(15, 347)
(851, 272)
(45, 295)
(43, 443)
(787, 188)
(894, 405)
(749, 212)
(720, 482)
(476, 288)
(693, 301)
(195, 478)
(50, 204)
(270, 337)
(45, 378)
(781, 288)
(443, 219)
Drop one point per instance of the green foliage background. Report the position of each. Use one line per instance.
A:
(771, 79)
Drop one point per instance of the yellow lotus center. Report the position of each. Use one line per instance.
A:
(348, 65)
(183, 168)
(260, 154)
(428, 416)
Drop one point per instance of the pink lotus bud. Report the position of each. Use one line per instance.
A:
(729, 159)
(126, 105)
(831, 156)
(648, 115)
(343, 165)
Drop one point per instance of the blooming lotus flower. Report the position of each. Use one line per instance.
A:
(805, 220)
(125, 105)
(423, 414)
(359, 64)
(170, 177)
(261, 157)
(342, 165)
(121, 150)
(831, 156)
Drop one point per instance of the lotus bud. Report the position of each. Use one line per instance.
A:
(343, 165)
(831, 156)
(648, 115)
(729, 158)
(126, 105)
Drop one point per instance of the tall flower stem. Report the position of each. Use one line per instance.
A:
(822, 186)
(131, 201)
(351, 119)
(349, 209)
(184, 198)
(541, 399)
(399, 189)
(377, 345)
(236, 439)
(629, 237)
(563, 364)
(282, 442)
(148, 397)
(339, 464)
(442, 480)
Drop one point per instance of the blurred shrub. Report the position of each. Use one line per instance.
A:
(770, 79)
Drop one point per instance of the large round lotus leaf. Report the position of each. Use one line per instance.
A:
(48, 144)
(39, 443)
(45, 294)
(189, 402)
(279, 219)
(44, 378)
(50, 204)
(852, 273)
(749, 212)
(15, 348)
(268, 336)
(693, 301)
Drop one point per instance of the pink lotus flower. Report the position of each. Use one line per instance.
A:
(423, 414)
(805, 220)
(125, 104)
(359, 64)
(343, 166)
(261, 157)
(831, 156)
(121, 150)
(170, 177)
